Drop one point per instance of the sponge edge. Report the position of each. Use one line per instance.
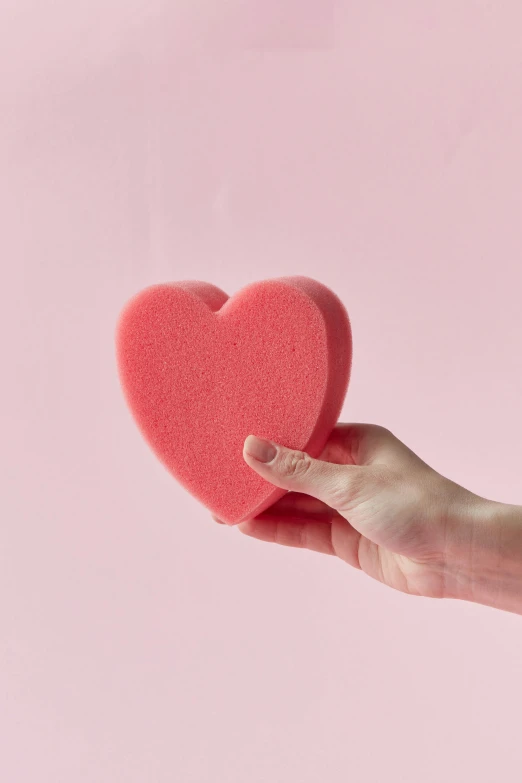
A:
(201, 371)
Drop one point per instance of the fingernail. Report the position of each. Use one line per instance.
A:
(259, 449)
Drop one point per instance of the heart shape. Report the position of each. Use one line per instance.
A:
(201, 371)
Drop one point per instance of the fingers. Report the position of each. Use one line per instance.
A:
(297, 471)
(305, 523)
(316, 536)
(302, 521)
(296, 505)
(336, 538)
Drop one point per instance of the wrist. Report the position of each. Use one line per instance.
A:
(484, 554)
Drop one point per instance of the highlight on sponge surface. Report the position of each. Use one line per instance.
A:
(201, 371)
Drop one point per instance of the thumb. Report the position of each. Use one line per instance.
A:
(296, 471)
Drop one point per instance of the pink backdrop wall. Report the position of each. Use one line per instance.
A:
(373, 145)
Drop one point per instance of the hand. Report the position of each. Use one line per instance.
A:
(375, 504)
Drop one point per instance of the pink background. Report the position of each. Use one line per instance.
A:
(373, 145)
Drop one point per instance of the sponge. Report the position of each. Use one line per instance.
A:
(200, 371)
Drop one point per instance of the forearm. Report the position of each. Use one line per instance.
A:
(491, 571)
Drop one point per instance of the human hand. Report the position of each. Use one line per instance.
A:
(375, 504)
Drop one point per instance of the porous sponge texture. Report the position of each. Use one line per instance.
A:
(201, 371)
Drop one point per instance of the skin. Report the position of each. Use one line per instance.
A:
(372, 502)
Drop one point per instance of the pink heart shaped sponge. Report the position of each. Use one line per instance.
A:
(201, 371)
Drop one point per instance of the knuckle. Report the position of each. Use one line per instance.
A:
(295, 464)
